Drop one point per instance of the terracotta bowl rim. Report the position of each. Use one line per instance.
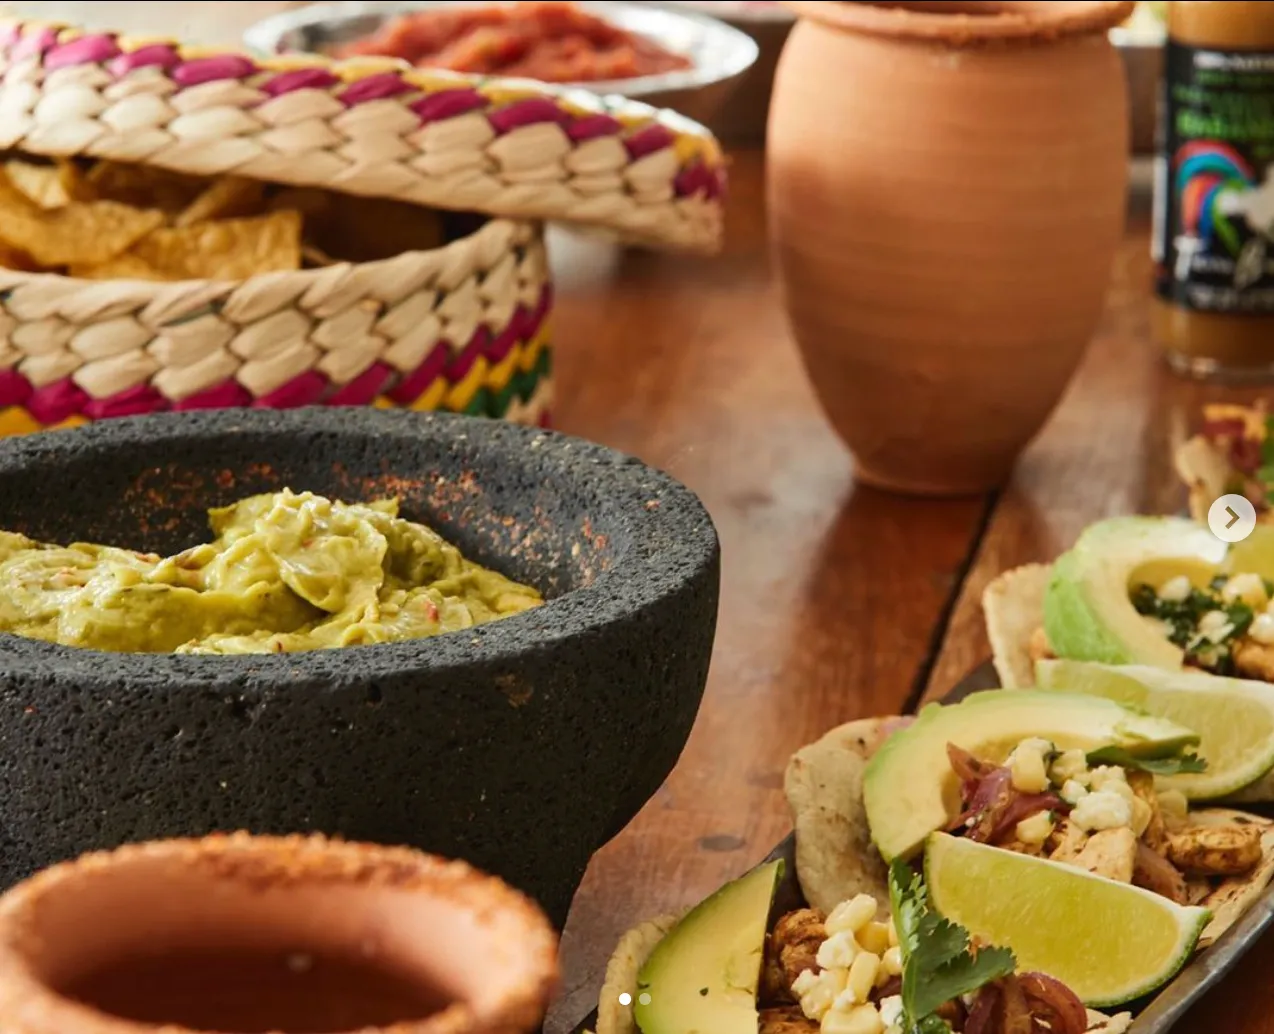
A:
(900, 21)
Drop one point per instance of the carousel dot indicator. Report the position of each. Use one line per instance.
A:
(625, 999)
(643, 998)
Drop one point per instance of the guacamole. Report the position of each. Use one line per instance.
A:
(286, 572)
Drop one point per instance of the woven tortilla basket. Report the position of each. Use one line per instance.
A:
(461, 327)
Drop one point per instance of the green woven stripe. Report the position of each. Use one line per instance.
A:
(479, 404)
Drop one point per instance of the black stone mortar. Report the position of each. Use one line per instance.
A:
(521, 746)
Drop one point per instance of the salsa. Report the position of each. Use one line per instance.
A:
(287, 572)
(551, 41)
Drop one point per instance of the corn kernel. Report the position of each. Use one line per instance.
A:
(818, 999)
(863, 1019)
(893, 934)
(1036, 829)
(862, 976)
(1070, 764)
(874, 937)
(892, 961)
(1028, 771)
(851, 916)
(838, 951)
(1249, 588)
(1173, 804)
(1074, 791)
(1262, 629)
(1107, 777)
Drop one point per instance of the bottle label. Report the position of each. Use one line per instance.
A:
(1214, 216)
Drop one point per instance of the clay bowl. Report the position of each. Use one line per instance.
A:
(521, 746)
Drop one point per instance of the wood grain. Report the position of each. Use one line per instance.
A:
(830, 591)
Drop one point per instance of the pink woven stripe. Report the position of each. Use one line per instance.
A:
(503, 343)
(525, 113)
(649, 140)
(447, 104)
(133, 402)
(588, 127)
(229, 395)
(410, 387)
(55, 402)
(363, 389)
(160, 54)
(540, 313)
(14, 388)
(374, 88)
(32, 43)
(9, 34)
(306, 390)
(299, 79)
(83, 51)
(459, 367)
(210, 69)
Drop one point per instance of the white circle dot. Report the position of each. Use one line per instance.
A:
(625, 999)
(643, 998)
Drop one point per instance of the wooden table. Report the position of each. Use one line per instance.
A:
(837, 601)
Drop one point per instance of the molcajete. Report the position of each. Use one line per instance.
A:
(520, 746)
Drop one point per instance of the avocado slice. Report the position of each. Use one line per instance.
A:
(910, 790)
(703, 976)
(1088, 614)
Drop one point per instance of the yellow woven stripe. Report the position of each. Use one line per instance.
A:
(531, 351)
(15, 420)
(432, 396)
(462, 394)
(503, 371)
(384, 403)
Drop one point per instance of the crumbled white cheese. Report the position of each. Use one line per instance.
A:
(1215, 626)
(1073, 792)
(1262, 629)
(1102, 810)
(891, 1010)
(1176, 590)
(1036, 829)
(821, 992)
(838, 951)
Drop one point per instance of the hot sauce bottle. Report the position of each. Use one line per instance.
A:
(1213, 240)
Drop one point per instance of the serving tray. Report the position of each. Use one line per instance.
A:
(1155, 1014)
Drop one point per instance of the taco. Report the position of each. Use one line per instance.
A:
(1158, 591)
(1233, 454)
(866, 943)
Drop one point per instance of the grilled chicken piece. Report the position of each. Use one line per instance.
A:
(1066, 842)
(790, 950)
(1216, 850)
(1111, 853)
(1156, 835)
(788, 1020)
(1254, 660)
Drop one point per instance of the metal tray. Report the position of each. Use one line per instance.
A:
(1156, 1014)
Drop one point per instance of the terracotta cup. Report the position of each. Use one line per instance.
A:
(244, 935)
(947, 189)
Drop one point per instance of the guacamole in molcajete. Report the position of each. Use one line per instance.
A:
(287, 572)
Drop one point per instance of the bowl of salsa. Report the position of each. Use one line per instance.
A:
(669, 58)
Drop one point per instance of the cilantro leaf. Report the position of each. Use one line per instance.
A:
(938, 964)
(1179, 765)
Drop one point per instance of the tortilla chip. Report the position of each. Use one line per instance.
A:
(77, 234)
(1233, 897)
(142, 186)
(229, 249)
(122, 267)
(45, 186)
(1014, 609)
(621, 974)
(835, 858)
(1099, 1023)
(226, 198)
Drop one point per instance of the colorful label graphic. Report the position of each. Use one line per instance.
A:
(1214, 218)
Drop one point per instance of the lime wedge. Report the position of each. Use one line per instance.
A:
(1254, 555)
(1233, 717)
(1108, 942)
